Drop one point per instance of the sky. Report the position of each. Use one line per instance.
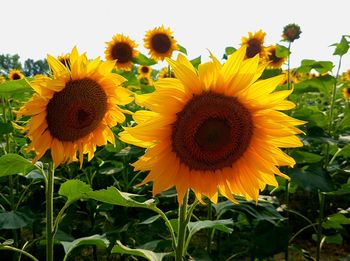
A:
(36, 28)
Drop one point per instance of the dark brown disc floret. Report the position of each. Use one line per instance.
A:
(16, 76)
(254, 47)
(161, 43)
(211, 132)
(77, 110)
(122, 52)
(145, 69)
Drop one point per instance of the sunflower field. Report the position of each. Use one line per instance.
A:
(163, 156)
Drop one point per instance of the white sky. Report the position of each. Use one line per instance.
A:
(38, 27)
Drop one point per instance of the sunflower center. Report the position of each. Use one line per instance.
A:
(273, 57)
(122, 52)
(254, 47)
(161, 43)
(77, 110)
(144, 69)
(211, 132)
(16, 76)
(348, 91)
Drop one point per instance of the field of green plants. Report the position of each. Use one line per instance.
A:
(117, 158)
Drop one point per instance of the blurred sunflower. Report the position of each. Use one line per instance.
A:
(2, 79)
(218, 129)
(15, 74)
(346, 93)
(164, 73)
(346, 75)
(273, 59)
(122, 49)
(160, 42)
(74, 109)
(254, 43)
(64, 59)
(291, 32)
(144, 70)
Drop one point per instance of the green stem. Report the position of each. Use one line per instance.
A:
(286, 253)
(181, 235)
(288, 64)
(168, 224)
(19, 251)
(49, 212)
(301, 230)
(210, 217)
(334, 90)
(319, 228)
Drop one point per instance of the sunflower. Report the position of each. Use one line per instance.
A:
(64, 59)
(346, 93)
(74, 109)
(144, 70)
(291, 32)
(122, 49)
(15, 74)
(164, 73)
(160, 43)
(273, 59)
(215, 130)
(254, 43)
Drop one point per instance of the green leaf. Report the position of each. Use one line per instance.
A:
(149, 255)
(130, 76)
(342, 47)
(5, 128)
(144, 60)
(312, 178)
(336, 221)
(345, 189)
(221, 225)
(113, 196)
(320, 84)
(11, 164)
(305, 157)
(196, 62)
(97, 240)
(14, 219)
(74, 189)
(182, 49)
(230, 50)
(334, 239)
(320, 66)
(11, 87)
(282, 51)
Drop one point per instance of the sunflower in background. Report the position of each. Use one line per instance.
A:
(122, 49)
(2, 79)
(15, 74)
(64, 59)
(74, 109)
(144, 70)
(271, 57)
(164, 73)
(291, 32)
(346, 93)
(160, 42)
(254, 43)
(215, 129)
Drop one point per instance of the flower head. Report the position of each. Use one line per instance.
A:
(122, 49)
(214, 130)
(75, 108)
(160, 43)
(273, 59)
(346, 93)
(15, 74)
(291, 32)
(254, 43)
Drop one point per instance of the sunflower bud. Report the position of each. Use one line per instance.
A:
(291, 32)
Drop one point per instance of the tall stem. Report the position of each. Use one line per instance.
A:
(181, 236)
(210, 217)
(49, 212)
(288, 64)
(319, 229)
(334, 90)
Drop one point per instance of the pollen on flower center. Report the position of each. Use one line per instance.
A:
(161, 43)
(76, 110)
(211, 132)
(122, 52)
